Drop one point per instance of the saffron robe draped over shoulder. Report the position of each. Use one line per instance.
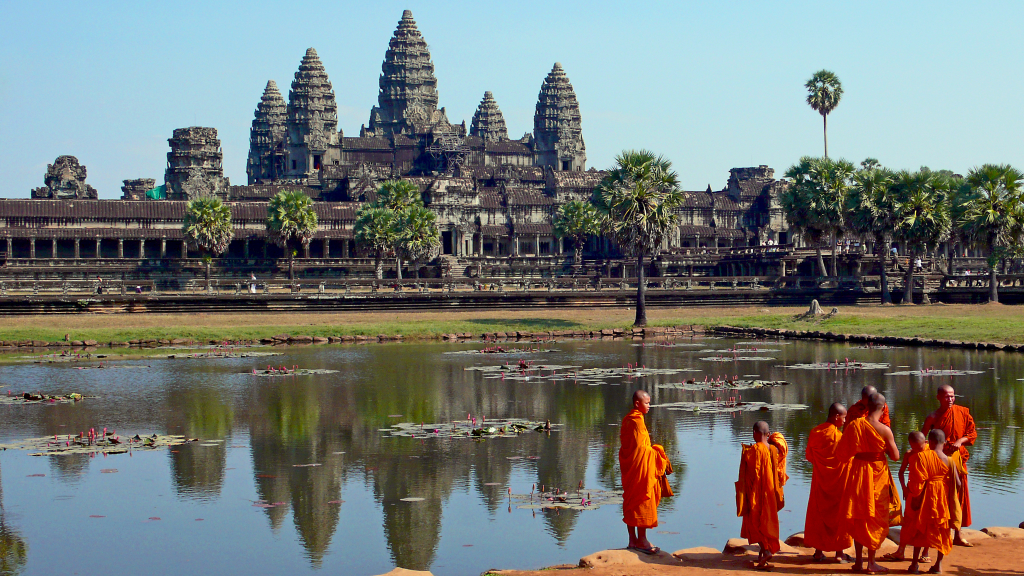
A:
(866, 499)
(643, 465)
(822, 527)
(759, 492)
(931, 487)
(909, 522)
(957, 422)
(861, 409)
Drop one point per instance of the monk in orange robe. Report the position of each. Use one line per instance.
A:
(865, 503)
(861, 408)
(933, 482)
(918, 443)
(828, 480)
(759, 494)
(958, 425)
(644, 467)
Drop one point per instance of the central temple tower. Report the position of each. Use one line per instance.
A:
(312, 121)
(557, 126)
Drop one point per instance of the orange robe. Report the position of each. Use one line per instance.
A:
(861, 409)
(908, 525)
(865, 502)
(930, 489)
(759, 495)
(822, 527)
(957, 422)
(643, 466)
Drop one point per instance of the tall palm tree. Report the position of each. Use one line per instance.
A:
(378, 229)
(815, 203)
(419, 238)
(291, 218)
(577, 220)
(992, 214)
(824, 90)
(207, 227)
(921, 206)
(398, 195)
(637, 201)
(870, 208)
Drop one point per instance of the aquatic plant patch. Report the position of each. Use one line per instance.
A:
(840, 365)
(723, 407)
(930, 372)
(722, 384)
(469, 428)
(85, 443)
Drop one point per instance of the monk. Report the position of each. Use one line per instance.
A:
(918, 443)
(933, 484)
(958, 425)
(861, 407)
(644, 467)
(759, 494)
(828, 479)
(865, 502)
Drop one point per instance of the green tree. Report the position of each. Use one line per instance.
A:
(378, 229)
(290, 219)
(870, 213)
(207, 228)
(419, 239)
(992, 214)
(578, 221)
(637, 201)
(398, 195)
(824, 90)
(870, 164)
(921, 206)
(815, 202)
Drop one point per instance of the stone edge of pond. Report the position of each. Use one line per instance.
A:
(281, 339)
(859, 338)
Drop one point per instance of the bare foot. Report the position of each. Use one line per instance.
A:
(914, 568)
(874, 568)
(936, 569)
(962, 542)
(926, 559)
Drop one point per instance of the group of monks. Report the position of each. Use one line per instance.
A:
(853, 499)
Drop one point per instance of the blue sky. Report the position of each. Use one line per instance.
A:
(710, 85)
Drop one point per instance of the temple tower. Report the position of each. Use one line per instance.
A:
(557, 126)
(65, 180)
(195, 165)
(488, 121)
(267, 137)
(312, 122)
(407, 100)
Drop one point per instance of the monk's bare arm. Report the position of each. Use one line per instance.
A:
(929, 423)
(970, 433)
(903, 471)
(890, 445)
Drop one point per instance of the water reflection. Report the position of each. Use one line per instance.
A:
(13, 548)
(308, 437)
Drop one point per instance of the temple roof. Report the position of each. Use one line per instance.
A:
(311, 104)
(488, 121)
(408, 88)
(557, 119)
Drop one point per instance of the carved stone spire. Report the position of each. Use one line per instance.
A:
(312, 115)
(488, 122)
(267, 136)
(407, 101)
(557, 126)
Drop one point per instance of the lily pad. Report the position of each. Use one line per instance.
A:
(736, 358)
(853, 365)
(934, 373)
(499, 428)
(723, 385)
(575, 500)
(290, 372)
(60, 445)
(413, 499)
(28, 398)
(719, 407)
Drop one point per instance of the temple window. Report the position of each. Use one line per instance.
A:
(316, 162)
(565, 165)
(293, 164)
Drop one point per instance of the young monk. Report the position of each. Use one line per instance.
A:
(865, 501)
(957, 424)
(918, 444)
(828, 479)
(932, 486)
(862, 407)
(643, 467)
(759, 495)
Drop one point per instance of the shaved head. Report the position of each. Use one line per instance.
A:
(937, 436)
(761, 427)
(836, 409)
(945, 389)
(867, 391)
(916, 437)
(946, 396)
(876, 401)
(640, 396)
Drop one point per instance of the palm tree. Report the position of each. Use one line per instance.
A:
(207, 227)
(577, 220)
(921, 207)
(419, 239)
(637, 201)
(871, 212)
(992, 214)
(291, 218)
(824, 90)
(398, 195)
(815, 203)
(378, 229)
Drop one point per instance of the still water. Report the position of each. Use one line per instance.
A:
(192, 507)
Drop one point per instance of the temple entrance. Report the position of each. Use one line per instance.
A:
(446, 242)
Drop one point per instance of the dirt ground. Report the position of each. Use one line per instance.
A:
(988, 557)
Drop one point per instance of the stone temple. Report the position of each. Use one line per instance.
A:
(494, 195)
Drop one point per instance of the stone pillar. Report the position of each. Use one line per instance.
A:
(515, 245)
(782, 267)
(78, 253)
(305, 251)
(184, 250)
(142, 248)
(10, 247)
(344, 249)
(327, 248)
(120, 247)
(245, 251)
(163, 248)
(32, 248)
(536, 244)
(99, 244)
(53, 248)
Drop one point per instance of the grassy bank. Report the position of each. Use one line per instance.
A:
(989, 323)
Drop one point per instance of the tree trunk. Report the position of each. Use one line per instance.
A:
(641, 293)
(207, 274)
(993, 283)
(291, 267)
(908, 289)
(886, 295)
(835, 272)
(950, 254)
(578, 256)
(378, 267)
(821, 260)
(824, 121)
(398, 269)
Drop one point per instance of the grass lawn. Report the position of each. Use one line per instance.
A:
(989, 323)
